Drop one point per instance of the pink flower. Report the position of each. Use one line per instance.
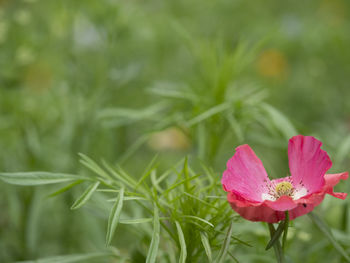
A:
(257, 198)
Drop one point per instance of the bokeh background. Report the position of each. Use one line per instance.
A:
(123, 80)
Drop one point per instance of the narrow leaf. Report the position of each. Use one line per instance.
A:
(206, 245)
(152, 165)
(38, 178)
(276, 235)
(153, 249)
(139, 220)
(85, 196)
(125, 180)
(223, 251)
(114, 217)
(64, 189)
(344, 149)
(180, 183)
(93, 166)
(71, 258)
(207, 114)
(200, 219)
(135, 221)
(128, 198)
(183, 253)
(200, 200)
(277, 245)
(327, 232)
(280, 121)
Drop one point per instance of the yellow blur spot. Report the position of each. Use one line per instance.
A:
(38, 76)
(169, 139)
(273, 64)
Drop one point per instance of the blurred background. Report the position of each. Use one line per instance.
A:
(123, 80)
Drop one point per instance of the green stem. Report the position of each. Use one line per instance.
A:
(277, 246)
(286, 225)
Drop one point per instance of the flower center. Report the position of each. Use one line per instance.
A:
(284, 188)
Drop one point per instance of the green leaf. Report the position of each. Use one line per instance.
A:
(180, 183)
(170, 91)
(135, 221)
(93, 166)
(223, 251)
(206, 245)
(280, 121)
(153, 249)
(152, 165)
(183, 253)
(71, 258)
(201, 201)
(38, 178)
(133, 148)
(139, 220)
(207, 114)
(65, 188)
(327, 232)
(120, 176)
(276, 235)
(343, 149)
(128, 198)
(114, 217)
(198, 218)
(85, 196)
(186, 173)
(277, 245)
(236, 127)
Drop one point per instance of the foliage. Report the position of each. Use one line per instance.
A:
(124, 80)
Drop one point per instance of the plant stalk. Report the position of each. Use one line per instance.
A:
(285, 233)
(277, 246)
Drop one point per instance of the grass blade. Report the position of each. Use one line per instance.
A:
(200, 219)
(277, 246)
(207, 114)
(72, 258)
(152, 165)
(223, 251)
(153, 249)
(64, 189)
(276, 235)
(206, 245)
(125, 180)
(38, 178)
(135, 221)
(85, 196)
(280, 121)
(128, 198)
(114, 217)
(139, 220)
(327, 232)
(180, 183)
(183, 253)
(93, 166)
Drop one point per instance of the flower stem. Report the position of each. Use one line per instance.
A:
(286, 225)
(277, 246)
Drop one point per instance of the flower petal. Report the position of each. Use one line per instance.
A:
(283, 203)
(302, 209)
(245, 175)
(260, 212)
(332, 180)
(254, 213)
(307, 163)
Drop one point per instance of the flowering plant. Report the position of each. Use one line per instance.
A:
(257, 198)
